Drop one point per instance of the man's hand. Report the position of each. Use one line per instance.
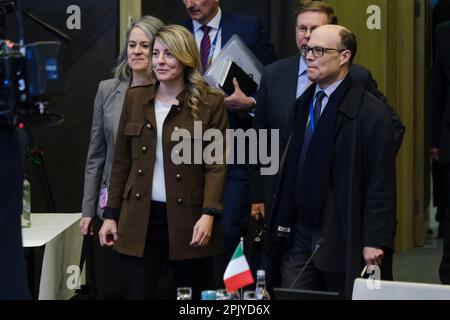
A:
(434, 153)
(238, 101)
(202, 231)
(108, 233)
(86, 226)
(258, 210)
(373, 256)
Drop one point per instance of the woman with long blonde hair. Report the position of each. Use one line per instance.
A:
(166, 212)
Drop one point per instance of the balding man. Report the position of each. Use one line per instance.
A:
(336, 187)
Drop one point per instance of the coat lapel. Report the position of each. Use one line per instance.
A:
(300, 105)
(122, 87)
(148, 108)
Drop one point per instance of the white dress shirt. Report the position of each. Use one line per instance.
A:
(159, 183)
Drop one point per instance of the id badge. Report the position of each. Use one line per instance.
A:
(103, 197)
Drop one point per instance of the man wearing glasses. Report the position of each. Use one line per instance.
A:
(286, 80)
(335, 199)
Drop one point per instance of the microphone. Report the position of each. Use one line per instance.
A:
(317, 247)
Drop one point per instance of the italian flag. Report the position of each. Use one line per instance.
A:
(238, 274)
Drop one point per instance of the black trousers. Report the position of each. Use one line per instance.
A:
(106, 263)
(444, 268)
(294, 260)
(236, 214)
(154, 276)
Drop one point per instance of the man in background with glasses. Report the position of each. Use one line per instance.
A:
(286, 80)
(335, 202)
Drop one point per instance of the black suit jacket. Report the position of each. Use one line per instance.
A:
(440, 97)
(250, 30)
(12, 170)
(275, 98)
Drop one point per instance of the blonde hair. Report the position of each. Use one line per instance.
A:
(180, 42)
(150, 26)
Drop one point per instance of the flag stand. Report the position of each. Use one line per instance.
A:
(238, 274)
(242, 289)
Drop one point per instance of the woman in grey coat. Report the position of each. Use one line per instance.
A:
(132, 69)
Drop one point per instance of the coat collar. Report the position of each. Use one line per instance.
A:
(350, 105)
(149, 97)
(151, 93)
(352, 101)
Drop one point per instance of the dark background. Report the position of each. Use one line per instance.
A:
(86, 61)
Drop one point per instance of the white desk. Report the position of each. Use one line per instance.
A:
(61, 236)
(46, 226)
(396, 290)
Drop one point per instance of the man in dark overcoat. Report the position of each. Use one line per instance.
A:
(336, 192)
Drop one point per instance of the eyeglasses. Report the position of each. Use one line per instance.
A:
(317, 51)
(303, 29)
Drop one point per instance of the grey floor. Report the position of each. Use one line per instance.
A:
(421, 264)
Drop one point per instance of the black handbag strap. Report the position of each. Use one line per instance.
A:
(84, 249)
(87, 257)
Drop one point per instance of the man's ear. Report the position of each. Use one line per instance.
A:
(345, 57)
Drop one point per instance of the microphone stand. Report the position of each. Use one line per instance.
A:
(317, 247)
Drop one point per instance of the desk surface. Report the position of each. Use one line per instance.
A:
(46, 226)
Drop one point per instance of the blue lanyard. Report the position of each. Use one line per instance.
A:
(213, 48)
(311, 114)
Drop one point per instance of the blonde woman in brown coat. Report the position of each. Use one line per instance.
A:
(160, 213)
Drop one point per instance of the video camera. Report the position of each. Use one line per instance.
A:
(29, 76)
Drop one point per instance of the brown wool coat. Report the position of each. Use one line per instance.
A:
(189, 187)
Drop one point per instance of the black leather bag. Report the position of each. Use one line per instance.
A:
(86, 291)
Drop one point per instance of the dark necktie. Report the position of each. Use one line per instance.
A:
(205, 47)
(310, 130)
